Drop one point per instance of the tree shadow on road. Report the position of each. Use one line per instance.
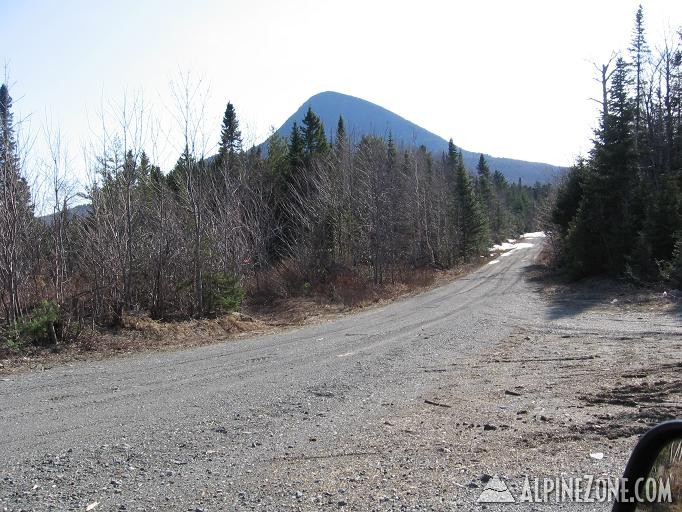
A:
(566, 298)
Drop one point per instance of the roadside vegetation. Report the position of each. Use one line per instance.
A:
(318, 215)
(619, 210)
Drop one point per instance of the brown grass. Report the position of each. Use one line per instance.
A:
(271, 308)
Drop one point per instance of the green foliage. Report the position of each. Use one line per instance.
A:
(276, 161)
(296, 149)
(8, 145)
(473, 221)
(620, 212)
(341, 138)
(675, 274)
(603, 230)
(569, 195)
(39, 325)
(224, 293)
(181, 244)
(484, 183)
(314, 140)
(230, 139)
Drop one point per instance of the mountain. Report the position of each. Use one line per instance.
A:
(362, 117)
(80, 210)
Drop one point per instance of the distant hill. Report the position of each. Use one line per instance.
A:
(80, 210)
(365, 118)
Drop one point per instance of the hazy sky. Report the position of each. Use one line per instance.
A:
(510, 78)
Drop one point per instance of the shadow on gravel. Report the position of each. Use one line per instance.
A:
(567, 299)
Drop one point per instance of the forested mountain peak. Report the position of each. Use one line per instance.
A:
(362, 117)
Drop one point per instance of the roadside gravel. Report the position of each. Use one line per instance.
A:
(411, 406)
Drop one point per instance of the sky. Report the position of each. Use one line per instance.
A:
(509, 78)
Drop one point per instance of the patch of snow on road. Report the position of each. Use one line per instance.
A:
(520, 245)
(524, 245)
(505, 246)
(511, 245)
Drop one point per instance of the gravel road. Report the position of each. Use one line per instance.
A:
(405, 407)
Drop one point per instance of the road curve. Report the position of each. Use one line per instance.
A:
(199, 428)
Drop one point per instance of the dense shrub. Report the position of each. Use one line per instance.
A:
(39, 326)
(224, 293)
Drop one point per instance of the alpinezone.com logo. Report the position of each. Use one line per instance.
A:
(583, 489)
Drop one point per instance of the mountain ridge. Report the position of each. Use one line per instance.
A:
(362, 117)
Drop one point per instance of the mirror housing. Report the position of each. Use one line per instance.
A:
(643, 458)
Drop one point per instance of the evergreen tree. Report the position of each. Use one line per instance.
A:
(620, 212)
(474, 224)
(144, 167)
(297, 148)
(569, 195)
(484, 178)
(9, 160)
(452, 157)
(314, 139)
(230, 140)
(500, 222)
(16, 214)
(484, 184)
(602, 233)
(277, 155)
(639, 51)
(391, 153)
(341, 139)
(340, 131)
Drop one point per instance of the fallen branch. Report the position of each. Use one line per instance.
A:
(430, 402)
(549, 359)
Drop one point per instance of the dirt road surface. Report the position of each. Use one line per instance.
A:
(411, 406)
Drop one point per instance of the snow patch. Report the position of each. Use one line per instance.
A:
(517, 247)
(511, 245)
(506, 246)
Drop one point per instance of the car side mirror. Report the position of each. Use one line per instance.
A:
(652, 481)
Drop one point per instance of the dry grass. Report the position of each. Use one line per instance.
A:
(138, 334)
(267, 311)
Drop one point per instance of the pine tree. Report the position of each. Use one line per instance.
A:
(292, 189)
(16, 214)
(606, 223)
(484, 183)
(297, 148)
(230, 140)
(397, 216)
(474, 224)
(340, 131)
(314, 139)
(341, 138)
(639, 51)
(277, 155)
(569, 195)
(145, 166)
(9, 160)
(453, 156)
(500, 223)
